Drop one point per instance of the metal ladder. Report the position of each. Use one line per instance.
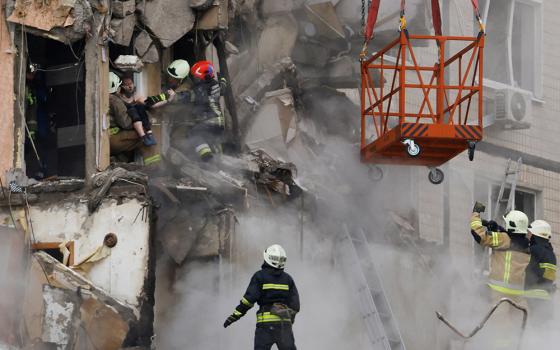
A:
(510, 174)
(356, 261)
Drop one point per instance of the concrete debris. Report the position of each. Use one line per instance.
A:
(121, 9)
(274, 125)
(231, 49)
(65, 309)
(129, 63)
(201, 4)
(103, 181)
(276, 175)
(325, 20)
(44, 16)
(168, 20)
(214, 18)
(60, 184)
(193, 235)
(144, 47)
(271, 79)
(218, 183)
(122, 29)
(311, 53)
(274, 7)
(277, 39)
(152, 55)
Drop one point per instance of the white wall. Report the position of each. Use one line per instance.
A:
(122, 273)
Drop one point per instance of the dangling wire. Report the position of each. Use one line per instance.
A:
(364, 16)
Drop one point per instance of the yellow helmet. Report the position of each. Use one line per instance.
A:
(179, 69)
(516, 222)
(114, 82)
(541, 228)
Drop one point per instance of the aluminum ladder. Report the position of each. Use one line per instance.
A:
(356, 261)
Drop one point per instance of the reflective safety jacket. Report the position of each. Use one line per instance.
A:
(267, 287)
(509, 260)
(541, 272)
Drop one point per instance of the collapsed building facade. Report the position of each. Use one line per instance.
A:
(96, 227)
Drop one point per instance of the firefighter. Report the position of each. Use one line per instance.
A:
(122, 136)
(177, 84)
(509, 260)
(276, 293)
(541, 271)
(206, 134)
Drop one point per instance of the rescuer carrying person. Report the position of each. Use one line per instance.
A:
(276, 293)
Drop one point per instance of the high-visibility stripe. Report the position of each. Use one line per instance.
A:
(531, 293)
(495, 239)
(114, 131)
(268, 317)
(152, 160)
(275, 286)
(237, 313)
(547, 266)
(476, 224)
(507, 267)
(246, 302)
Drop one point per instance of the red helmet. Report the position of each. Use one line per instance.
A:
(203, 70)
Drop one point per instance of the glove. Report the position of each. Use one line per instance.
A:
(479, 208)
(152, 100)
(230, 320)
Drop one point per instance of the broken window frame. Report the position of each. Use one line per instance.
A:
(56, 245)
(533, 63)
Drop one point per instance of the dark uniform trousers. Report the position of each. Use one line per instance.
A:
(279, 333)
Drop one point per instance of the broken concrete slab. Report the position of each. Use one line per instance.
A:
(46, 16)
(271, 8)
(152, 55)
(123, 28)
(181, 233)
(216, 17)
(217, 182)
(201, 4)
(60, 310)
(324, 18)
(168, 20)
(213, 239)
(121, 9)
(142, 43)
(310, 53)
(65, 309)
(277, 40)
(274, 124)
(271, 79)
(129, 63)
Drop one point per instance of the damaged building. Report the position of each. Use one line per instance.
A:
(108, 252)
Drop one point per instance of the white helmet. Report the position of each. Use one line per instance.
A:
(275, 256)
(516, 222)
(541, 228)
(114, 82)
(179, 69)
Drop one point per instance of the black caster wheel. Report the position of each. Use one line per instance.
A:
(436, 176)
(375, 173)
(472, 147)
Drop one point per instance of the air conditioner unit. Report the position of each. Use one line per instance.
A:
(507, 106)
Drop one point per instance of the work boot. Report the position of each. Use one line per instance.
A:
(149, 140)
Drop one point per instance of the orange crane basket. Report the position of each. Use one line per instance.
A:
(437, 127)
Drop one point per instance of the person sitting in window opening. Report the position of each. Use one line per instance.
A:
(136, 109)
(122, 136)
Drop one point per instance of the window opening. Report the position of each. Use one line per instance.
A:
(54, 108)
